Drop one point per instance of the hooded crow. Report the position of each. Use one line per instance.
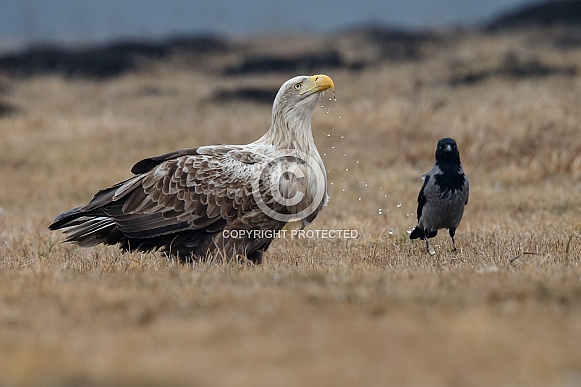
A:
(443, 195)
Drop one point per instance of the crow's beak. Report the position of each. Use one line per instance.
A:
(448, 148)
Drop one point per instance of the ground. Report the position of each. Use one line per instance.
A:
(373, 310)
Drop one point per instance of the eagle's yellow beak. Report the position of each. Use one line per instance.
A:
(321, 82)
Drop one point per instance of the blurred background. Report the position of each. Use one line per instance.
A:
(107, 38)
(84, 21)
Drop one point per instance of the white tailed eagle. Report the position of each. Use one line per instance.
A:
(223, 200)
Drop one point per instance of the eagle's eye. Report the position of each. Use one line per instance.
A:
(297, 86)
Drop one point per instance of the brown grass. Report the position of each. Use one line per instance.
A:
(376, 310)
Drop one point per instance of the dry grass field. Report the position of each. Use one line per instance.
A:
(371, 311)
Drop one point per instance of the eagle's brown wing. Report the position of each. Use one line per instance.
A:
(205, 189)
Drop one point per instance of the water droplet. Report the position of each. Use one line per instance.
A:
(380, 212)
(390, 231)
(342, 136)
(398, 205)
(359, 199)
(343, 189)
(339, 117)
(330, 99)
(344, 154)
(385, 195)
(322, 106)
(409, 231)
(331, 183)
(366, 185)
(328, 134)
(333, 147)
(324, 154)
(346, 169)
(357, 161)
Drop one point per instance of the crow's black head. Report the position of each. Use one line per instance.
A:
(447, 150)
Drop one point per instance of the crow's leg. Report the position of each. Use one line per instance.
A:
(426, 232)
(452, 233)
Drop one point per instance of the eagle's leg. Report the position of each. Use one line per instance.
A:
(256, 257)
(452, 233)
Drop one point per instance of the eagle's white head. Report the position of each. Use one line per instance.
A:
(293, 107)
